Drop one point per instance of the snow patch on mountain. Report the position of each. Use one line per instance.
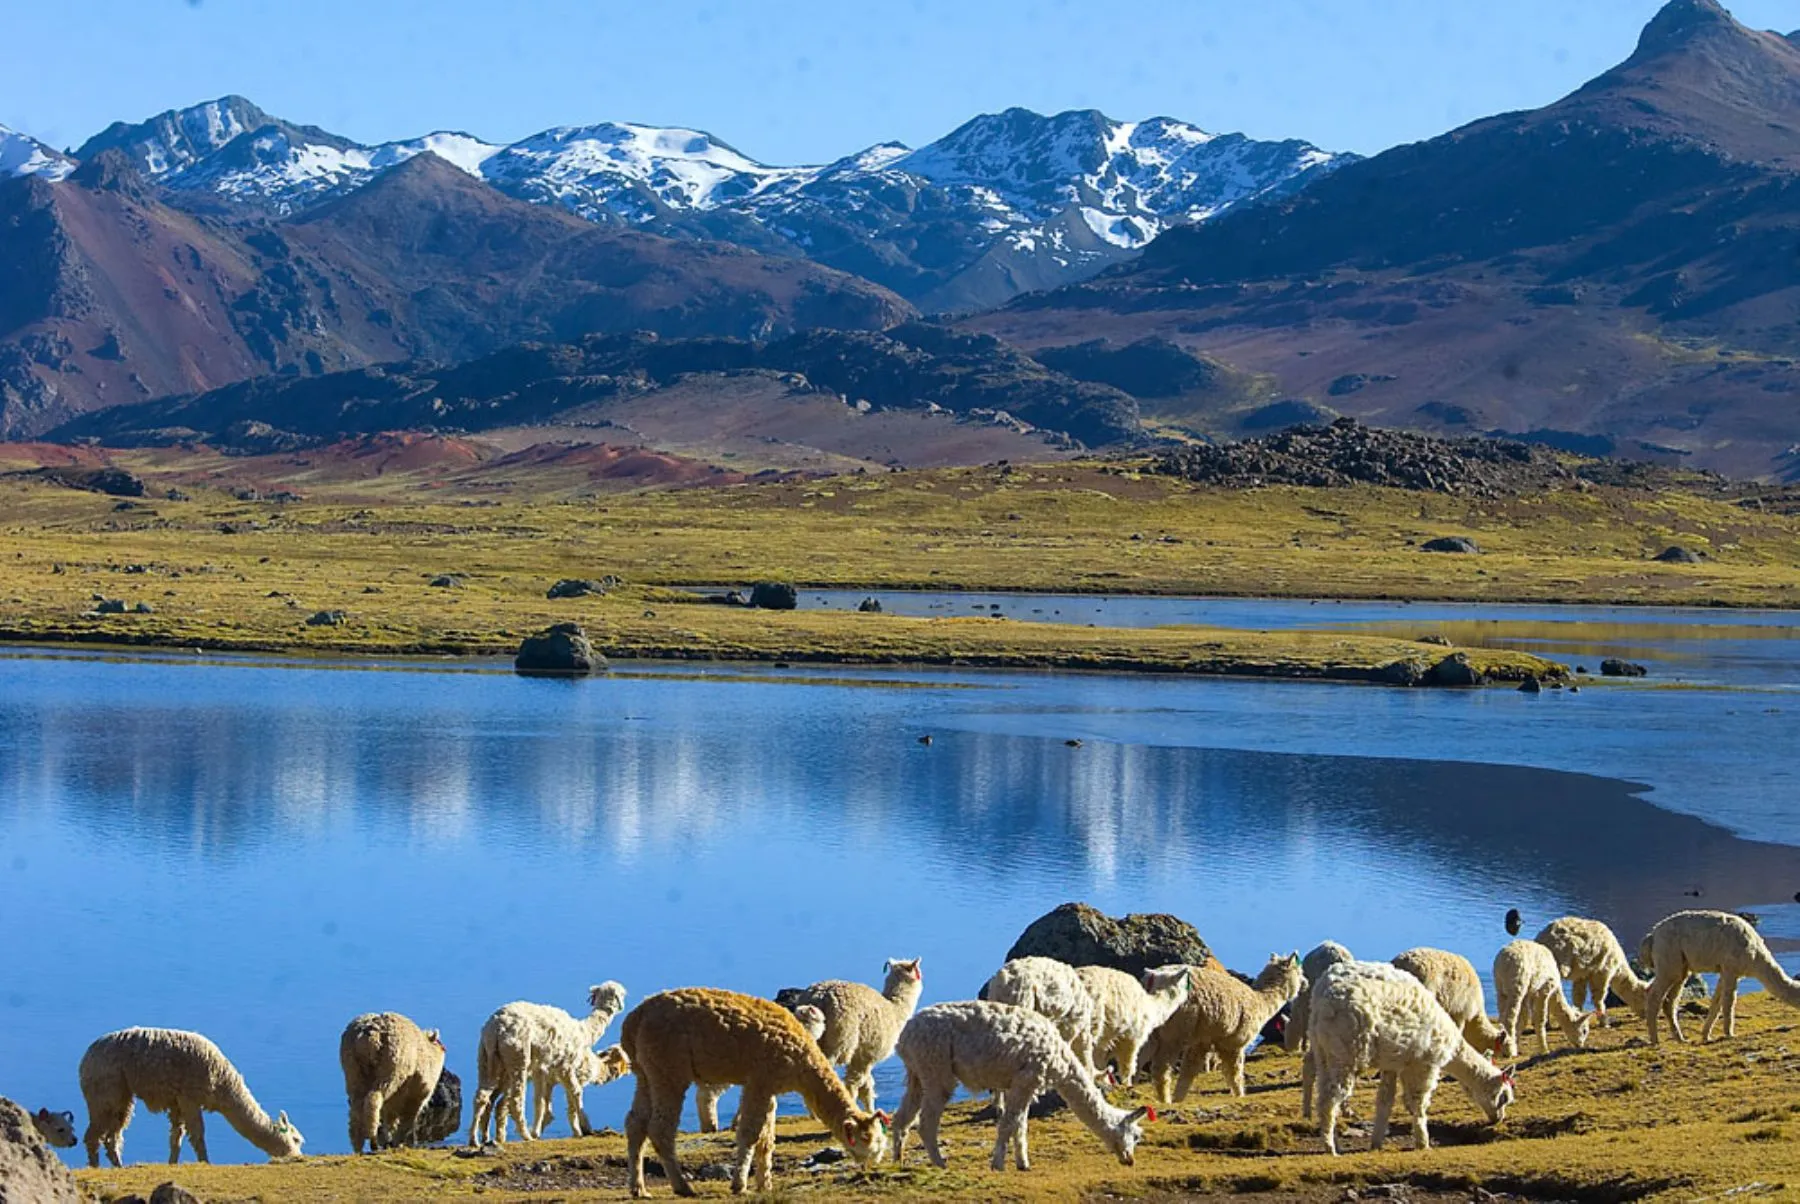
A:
(23, 155)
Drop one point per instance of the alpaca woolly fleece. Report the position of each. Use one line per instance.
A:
(1372, 1017)
(1592, 959)
(1220, 1018)
(1013, 1052)
(1709, 942)
(1452, 978)
(1054, 991)
(542, 1046)
(862, 1024)
(178, 1073)
(1127, 1010)
(702, 1035)
(1528, 985)
(390, 1066)
(706, 1095)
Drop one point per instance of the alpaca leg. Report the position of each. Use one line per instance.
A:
(930, 1113)
(910, 1101)
(1193, 1061)
(1384, 1107)
(195, 1120)
(1018, 1119)
(1417, 1086)
(176, 1132)
(665, 1118)
(1656, 1000)
(859, 1078)
(1307, 1074)
(755, 1105)
(1578, 988)
(1162, 1077)
(365, 1115)
(515, 1108)
(1509, 1020)
(1334, 1093)
(765, 1149)
(1730, 1005)
(106, 1128)
(1236, 1073)
(637, 1128)
(578, 1121)
(1126, 1054)
(1717, 1010)
(1543, 1022)
(706, 1103)
(1600, 994)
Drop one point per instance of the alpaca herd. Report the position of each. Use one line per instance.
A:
(1041, 1025)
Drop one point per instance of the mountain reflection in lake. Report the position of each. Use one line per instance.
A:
(262, 852)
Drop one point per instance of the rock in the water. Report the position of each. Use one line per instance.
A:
(869, 606)
(1612, 666)
(1530, 686)
(442, 1115)
(1676, 554)
(1083, 936)
(575, 587)
(774, 595)
(28, 1170)
(562, 650)
(1450, 543)
(1403, 672)
(1454, 670)
(327, 618)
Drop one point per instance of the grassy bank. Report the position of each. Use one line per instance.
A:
(1617, 1122)
(224, 573)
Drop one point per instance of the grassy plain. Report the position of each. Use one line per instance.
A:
(224, 573)
(1616, 1122)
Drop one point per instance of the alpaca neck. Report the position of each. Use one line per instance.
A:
(1076, 1085)
(594, 1024)
(1471, 1069)
(1775, 980)
(904, 995)
(233, 1101)
(823, 1091)
(1629, 987)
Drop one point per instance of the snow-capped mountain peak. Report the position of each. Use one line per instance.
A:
(177, 139)
(23, 155)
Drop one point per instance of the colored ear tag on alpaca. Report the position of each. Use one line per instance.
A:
(1150, 1116)
(1506, 1076)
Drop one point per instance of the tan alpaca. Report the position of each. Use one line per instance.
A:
(1591, 958)
(390, 1066)
(1709, 942)
(706, 1095)
(1452, 979)
(1220, 1016)
(1528, 983)
(701, 1035)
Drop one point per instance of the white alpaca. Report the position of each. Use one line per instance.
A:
(1220, 1018)
(706, 1095)
(56, 1128)
(1014, 1053)
(861, 1023)
(1709, 942)
(1528, 984)
(182, 1074)
(390, 1066)
(1054, 991)
(544, 1046)
(1293, 1039)
(1452, 978)
(1371, 1017)
(1591, 958)
(1127, 1011)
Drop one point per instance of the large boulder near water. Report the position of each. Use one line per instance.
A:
(29, 1172)
(774, 595)
(1454, 670)
(1612, 666)
(562, 650)
(442, 1114)
(1084, 936)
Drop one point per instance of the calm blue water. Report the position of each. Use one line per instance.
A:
(260, 851)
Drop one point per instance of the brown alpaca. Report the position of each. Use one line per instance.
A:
(702, 1035)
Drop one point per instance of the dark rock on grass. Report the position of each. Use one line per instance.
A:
(575, 587)
(562, 650)
(730, 597)
(143, 608)
(446, 581)
(115, 482)
(1451, 543)
(1454, 670)
(869, 606)
(28, 1170)
(110, 606)
(1612, 666)
(441, 1117)
(774, 595)
(1676, 554)
(173, 1193)
(1084, 936)
(327, 618)
(1442, 641)
(1404, 672)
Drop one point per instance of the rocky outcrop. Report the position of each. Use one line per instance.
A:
(1676, 554)
(29, 1172)
(562, 650)
(1612, 666)
(1083, 936)
(774, 595)
(575, 587)
(1454, 670)
(1451, 543)
(442, 1117)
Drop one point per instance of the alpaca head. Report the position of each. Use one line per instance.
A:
(1500, 1097)
(435, 1037)
(288, 1136)
(1579, 1029)
(865, 1136)
(899, 972)
(1283, 971)
(811, 1019)
(1122, 1139)
(601, 1067)
(608, 997)
(1167, 978)
(56, 1128)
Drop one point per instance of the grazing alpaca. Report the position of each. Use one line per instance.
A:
(596, 1068)
(176, 1072)
(1591, 958)
(702, 1035)
(56, 1128)
(1452, 979)
(1701, 942)
(1312, 967)
(390, 1067)
(1127, 1011)
(1016, 1054)
(539, 1045)
(1529, 986)
(706, 1095)
(861, 1024)
(1368, 1016)
(1054, 991)
(1220, 1017)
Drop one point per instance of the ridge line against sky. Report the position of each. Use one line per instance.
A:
(808, 81)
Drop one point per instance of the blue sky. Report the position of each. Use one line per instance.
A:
(808, 80)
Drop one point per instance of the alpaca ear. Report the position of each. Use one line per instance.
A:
(68, 1116)
(849, 1132)
(43, 1114)
(1145, 1113)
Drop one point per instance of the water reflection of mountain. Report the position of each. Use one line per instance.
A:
(646, 767)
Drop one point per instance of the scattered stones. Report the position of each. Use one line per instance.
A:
(28, 1170)
(774, 595)
(143, 608)
(1454, 670)
(110, 606)
(446, 581)
(1084, 936)
(1612, 666)
(1451, 543)
(562, 650)
(575, 587)
(1676, 554)
(327, 618)
(869, 606)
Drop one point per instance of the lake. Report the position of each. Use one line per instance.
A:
(260, 849)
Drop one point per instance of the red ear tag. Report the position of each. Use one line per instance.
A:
(1151, 1116)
